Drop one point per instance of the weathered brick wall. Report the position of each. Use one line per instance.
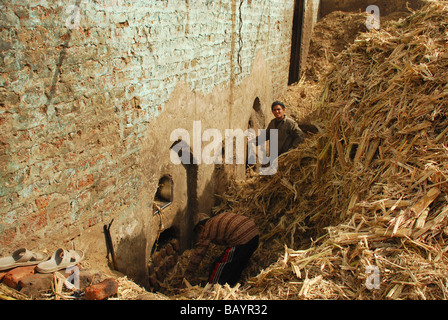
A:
(77, 97)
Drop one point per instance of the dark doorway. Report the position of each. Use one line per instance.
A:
(164, 194)
(297, 23)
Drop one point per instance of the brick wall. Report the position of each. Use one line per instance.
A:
(77, 97)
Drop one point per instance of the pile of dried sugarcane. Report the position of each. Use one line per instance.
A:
(365, 201)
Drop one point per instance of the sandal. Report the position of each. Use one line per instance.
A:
(21, 257)
(61, 259)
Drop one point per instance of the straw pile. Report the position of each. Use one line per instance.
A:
(332, 34)
(370, 190)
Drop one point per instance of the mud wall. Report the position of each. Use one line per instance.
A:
(89, 94)
(310, 15)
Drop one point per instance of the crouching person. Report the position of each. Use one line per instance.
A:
(240, 236)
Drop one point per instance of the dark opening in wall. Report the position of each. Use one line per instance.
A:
(297, 24)
(164, 193)
(256, 120)
(165, 238)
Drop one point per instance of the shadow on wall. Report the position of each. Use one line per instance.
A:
(185, 221)
(131, 257)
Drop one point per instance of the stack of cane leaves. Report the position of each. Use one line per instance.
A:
(362, 207)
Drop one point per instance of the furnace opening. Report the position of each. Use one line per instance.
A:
(164, 194)
(164, 256)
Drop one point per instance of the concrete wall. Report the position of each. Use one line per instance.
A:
(310, 15)
(89, 94)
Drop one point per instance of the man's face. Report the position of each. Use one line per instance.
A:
(278, 112)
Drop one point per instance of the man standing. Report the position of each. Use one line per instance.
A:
(238, 233)
(289, 133)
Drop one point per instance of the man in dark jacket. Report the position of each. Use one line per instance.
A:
(285, 135)
(289, 133)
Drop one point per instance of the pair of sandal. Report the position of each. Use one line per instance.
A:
(60, 259)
